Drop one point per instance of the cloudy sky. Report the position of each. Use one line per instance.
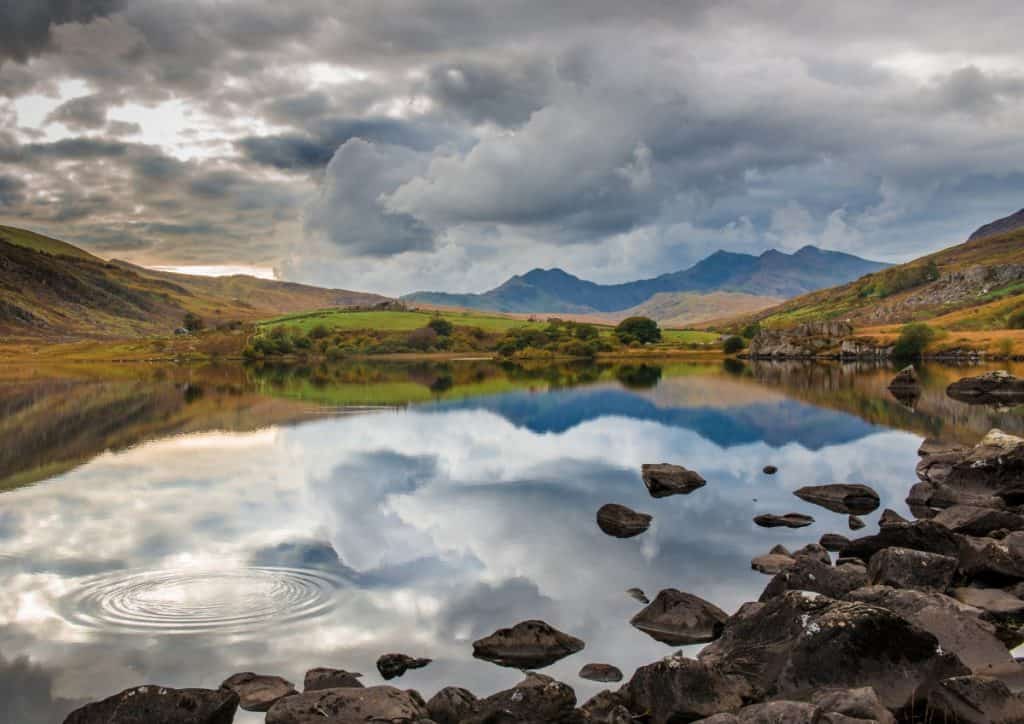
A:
(397, 145)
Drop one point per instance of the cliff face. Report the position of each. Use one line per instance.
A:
(811, 339)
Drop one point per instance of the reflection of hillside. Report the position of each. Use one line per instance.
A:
(51, 424)
(720, 390)
(861, 390)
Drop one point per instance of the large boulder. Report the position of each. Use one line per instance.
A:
(527, 645)
(679, 689)
(789, 520)
(907, 568)
(452, 705)
(860, 705)
(159, 705)
(978, 521)
(775, 560)
(990, 388)
(350, 706)
(324, 678)
(995, 466)
(833, 541)
(605, 707)
(959, 629)
(1001, 608)
(921, 535)
(621, 522)
(991, 561)
(849, 498)
(905, 380)
(663, 480)
(677, 618)
(257, 692)
(808, 574)
(971, 700)
(534, 700)
(605, 673)
(392, 666)
(801, 642)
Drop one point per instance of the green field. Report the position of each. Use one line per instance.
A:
(688, 336)
(392, 321)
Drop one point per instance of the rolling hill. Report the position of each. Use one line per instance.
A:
(54, 291)
(684, 309)
(772, 274)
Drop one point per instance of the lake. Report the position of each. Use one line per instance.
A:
(175, 525)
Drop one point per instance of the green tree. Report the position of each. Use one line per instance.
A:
(638, 329)
(442, 326)
(192, 322)
(733, 344)
(1015, 320)
(751, 330)
(585, 331)
(913, 340)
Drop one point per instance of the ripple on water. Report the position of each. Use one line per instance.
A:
(184, 601)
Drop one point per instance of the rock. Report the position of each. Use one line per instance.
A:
(773, 712)
(811, 575)
(841, 497)
(855, 523)
(851, 562)
(858, 704)
(452, 705)
(907, 568)
(638, 595)
(600, 672)
(392, 666)
(993, 561)
(972, 700)
(890, 518)
(159, 705)
(959, 629)
(789, 520)
(350, 706)
(536, 699)
(678, 689)
(606, 707)
(976, 521)
(921, 535)
(990, 388)
(995, 466)
(663, 480)
(816, 552)
(319, 679)
(527, 645)
(905, 379)
(833, 542)
(677, 618)
(257, 692)
(771, 563)
(1002, 609)
(769, 470)
(801, 642)
(622, 522)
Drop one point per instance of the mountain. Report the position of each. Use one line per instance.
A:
(685, 309)
(999, 226)
(973, 286)
(772, 274)
(50, 289)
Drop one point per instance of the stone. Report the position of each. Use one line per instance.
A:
(890, 518)
(679, 689)
(921, 535)
(833, 542)
(1001, 608)
(527, 645)
(392, 666)
(858, 704)
(800, 642)
(772, 563)
(536, 699)
(990, 388)
(601, 672)
(972, 700)
(847, 498)
(816, 552)
(904, 379)
(159, 705)
(350, 706)
(663, 480)
(769, 470)
(855, 522)
(995, 466)
(678, 619)
(773, 712)
(451, 705)
(907, 568)
(789, 520)
(811, 575)
(988, 560)
(621, 522)
(606, 707)
(323, 678)
(978, 521)
(257, 692)
(638, 595)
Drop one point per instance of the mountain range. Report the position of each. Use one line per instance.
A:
(773, 274)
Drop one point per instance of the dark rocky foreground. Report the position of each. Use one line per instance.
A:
(910, 624)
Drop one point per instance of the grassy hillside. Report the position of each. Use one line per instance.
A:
(681, 309)
(977, 285)
(55, 292)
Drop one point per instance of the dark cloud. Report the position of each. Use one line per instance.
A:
(481, 92)
(12, 191)
(85, 112)
(26, 25)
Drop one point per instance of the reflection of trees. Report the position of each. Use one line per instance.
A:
(638, 377)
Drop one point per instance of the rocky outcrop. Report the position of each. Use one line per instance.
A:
(663, 480)
(808, 574)
(452, 705)
(851, 498)
(679, 689)
(160, 705)
(527, 645)
(537, 698)
(258, 692)
(678, 619)
(322, 678)
(995, 466)
(991, 388)
(972, 700)
(812, 339)
(350, 706)
(906, 568)
(621, 522)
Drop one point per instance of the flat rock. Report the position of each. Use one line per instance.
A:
(601, 672)
(677, 618)
(905, 379)
(257, 692)
(978, 521)
(988, 560)
(678, 689)
(452, 705)
(990, 388)
(789, 520)
(621, 522)
(772, 563)
(833, 542)
(638, 595)
(527, 645)
(995, 466)
(769, 470)
(855, 523)
(815, 551)
(159, 705)
(1001, 608)
(663, 480)
(350, 706)
(841, 497)
(324, 678)
(972, 700)
(860, 704)
(921, 535)
(392, 666)
(537, 698)
(907, 568)
(890, 518)
(811, 575)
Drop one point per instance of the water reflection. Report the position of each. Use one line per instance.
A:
(256, 526)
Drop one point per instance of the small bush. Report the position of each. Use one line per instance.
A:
(441, 326)
(913, 340)
(585, 331)
(733, 344)
(192, 322)
(1015, 320)
(320, 331)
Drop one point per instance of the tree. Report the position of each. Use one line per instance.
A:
(751, 330)
(192, 322)
(640, 329)
(585, 331)
(442, 326)
(913, 340)
(1015, 320)
(733, 344)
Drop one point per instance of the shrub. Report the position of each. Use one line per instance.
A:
(422, 339)
(1015, 320)
(751, 330)
(914, 338)
(733, 344)
(585, 331)
(441, 326)
(320, 331)
(640, 329)
(192, 322)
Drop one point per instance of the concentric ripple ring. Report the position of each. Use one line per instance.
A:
(184, 601)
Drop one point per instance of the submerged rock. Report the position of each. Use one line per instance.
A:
(663, 480)
(527, 645)
(789, 520)
(537, 698)
(452, 705)
(769, 470)
(990, 388)
(323, 678)
(677, 618)
(678, 689)
(159, 705)
(350, 706)
(622, 522)
(638, 595)
(855, 522)
(392, 666)
(833, 542)
(258, 692)
(841, 497)
(601, 672)
(905, 379)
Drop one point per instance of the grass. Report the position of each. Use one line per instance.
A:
(393, 321)
(38, 242)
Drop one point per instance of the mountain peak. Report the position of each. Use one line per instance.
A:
(999, 226)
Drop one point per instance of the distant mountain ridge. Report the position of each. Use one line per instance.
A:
(772, 274)
(999, 226)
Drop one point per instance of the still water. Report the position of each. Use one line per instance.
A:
(177, 525)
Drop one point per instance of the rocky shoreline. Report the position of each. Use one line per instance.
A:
(914, 623)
